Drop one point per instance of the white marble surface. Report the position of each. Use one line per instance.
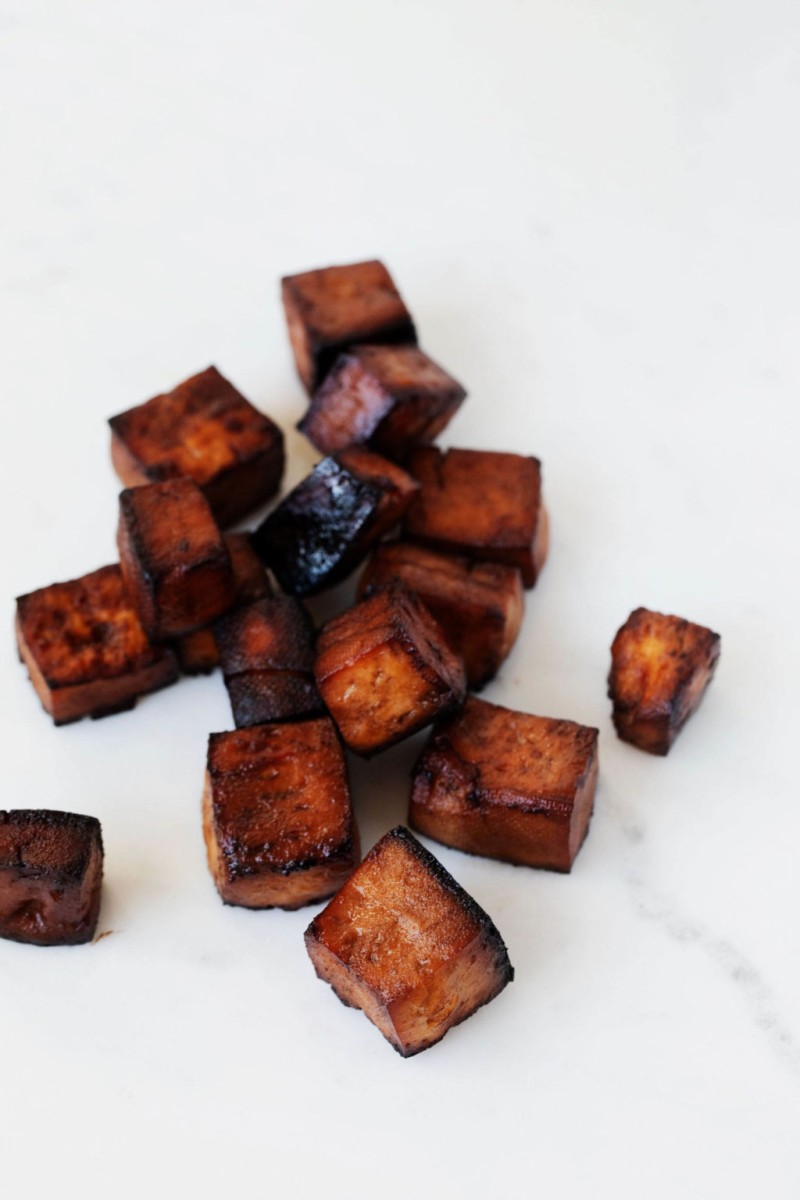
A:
(593, 212)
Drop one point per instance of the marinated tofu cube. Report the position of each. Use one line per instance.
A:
(51, 876)
(206, 430)
(323, 529)
(277, 817)
(507, 785)
(389, 397)
(385, 670)
(480, 503)
(174, 561)
(660, 669)
(478, 605)
(405, 944)
(85, 649)
(329, 309)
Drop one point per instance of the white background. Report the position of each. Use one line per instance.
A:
(593, 211)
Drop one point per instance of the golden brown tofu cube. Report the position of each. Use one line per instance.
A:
(507, 785)
(389, 397)
(323, 529)
(206, 430)
(51, 875)
(385, 670)
(277, 818)
(660, 669)
(175, 564)
(405, 944)
(85, 649)
(480, 503)
(329, 309)
(478, 605)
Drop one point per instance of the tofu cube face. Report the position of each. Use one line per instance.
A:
(482, 504)
(405, 944)
(174, 561)
(51, 875)
(507, 785)
(267, 652)
(332, 308)
(660, 669)
(478, 605)
(388, 397)
(277, 817)
(85, 649)
(385, 670)
(206, 430)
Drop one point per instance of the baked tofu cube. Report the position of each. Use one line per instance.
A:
(267, 653)
(323, 529)
(51, 876)
(480, 503)
(329, 309)
(206, 430)
(478, 605)
(174, 561)
(405, 944)
(85, 649)
(389, 397)
(277, 817)
(507, 785)
(660, 669)
(385, 670)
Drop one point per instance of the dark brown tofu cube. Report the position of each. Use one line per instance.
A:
(480, 503)
(405, 944)
(329, 309)
(51, 876)
(323, 529)
(174, 561)
(507, 785)
(389, 397)
(660, 669)
(277, 817)
(206, 430)
(478, 605)
(85, 649)
(385, 670)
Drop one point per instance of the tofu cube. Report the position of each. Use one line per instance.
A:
(51, 876)
(507, 785)
(385, 670)
(478, 605)
(85, 649)
(206, 430)
(405, 944)
(174, 561)
(329, 309)
(660, 669)
(480, 503)
(277, 817)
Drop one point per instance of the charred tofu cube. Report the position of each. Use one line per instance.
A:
(277, 818)
(389, 397)
(206, 430)
(480, 503)
(330, 309)
(405, 944)
(323, 529)
(507, 785)
(174, 561)
(478, 605)
(267, 653)
(385, 670)
(85, 649)
(51, 876)
(660, 669)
